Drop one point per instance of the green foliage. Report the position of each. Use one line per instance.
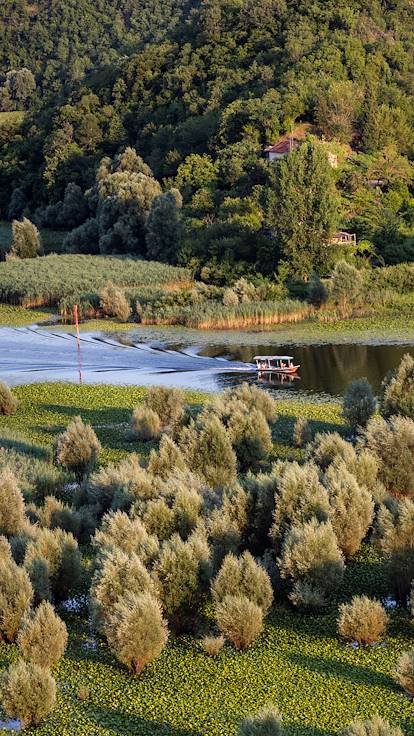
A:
(362, 620)
(28, 692)
(346, 285)
(15, 597)
(352, 508)
(163, 227)
(136, 630)
(60, 552)
(77, 449)
(114, 303)
(239, 620)
(391, 444)
(243, 576)
(267, 722)
(43, 636)
(8, 402)
(12, 509)
(404, 671)
(25, 239)
(398, 390)
(306, 212)
(358, 403)
(209, 453)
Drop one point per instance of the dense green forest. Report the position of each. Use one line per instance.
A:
(197, 93)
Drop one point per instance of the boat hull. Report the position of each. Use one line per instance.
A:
(287, 371)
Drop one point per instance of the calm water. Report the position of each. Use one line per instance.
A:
(323, 368)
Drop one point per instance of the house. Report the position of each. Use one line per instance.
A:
(343, 238)
(282, 148)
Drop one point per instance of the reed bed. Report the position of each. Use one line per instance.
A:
(45, 281)
(212, 315)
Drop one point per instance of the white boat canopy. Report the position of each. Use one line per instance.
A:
(273, 357)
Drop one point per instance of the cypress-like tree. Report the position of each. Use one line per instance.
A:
(163, 227)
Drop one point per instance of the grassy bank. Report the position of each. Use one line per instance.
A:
(46, 408)
(11, 316)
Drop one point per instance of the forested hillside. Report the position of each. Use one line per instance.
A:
(199, 103)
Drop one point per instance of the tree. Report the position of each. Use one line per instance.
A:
(59, 549)
(352, 508)
(267, 722)
(250, 436)
(243, 576)
(209, 453)
(8, 402)
(239, 620)
(43, 636)
(136, 630)
(168, 403)
(337, 108)
(28, 693)
(15, 597)
(74, 210)
(317, 291)
(18, 203)
(21, 84)
(306, 211)
(310, 552)
(398, 390)
(25, 239)
(163, 227)
(358, 403)
(392, 445)
(12, 509)
(77, 449)
(362, 620)
(346, 285)
(116, 575)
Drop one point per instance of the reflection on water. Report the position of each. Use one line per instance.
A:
(323, 368)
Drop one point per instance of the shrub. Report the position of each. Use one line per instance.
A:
(330, 446)
(209, 453)
(116, 574)
(310, 552)
(240, 620)
(8, 402)
(60, 551)
(307, 597)
(146, 424)
(362, 620)
(400, 571)
(252, 397)
(404, 671)
(243, 576)
(317, 291)
(376, 726)
(212, 645)
(12, 515)
(38, 571)
(167, 460)
(358, 403)
(25, 239)
(168, 403)
(115, 485)
(136, 630)
(114, 303)
(346, 284)
(28, 693)
(267, 722)
(392, 443)
(302, 433)
(16, 595)
(159, 519)
(352, 508)
(119, 531)
(77, 449)
(182, 573)
(398, 390)
(43, 636)
(250, 436)
(300, 497)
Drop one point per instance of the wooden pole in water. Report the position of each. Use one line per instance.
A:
(76, 317)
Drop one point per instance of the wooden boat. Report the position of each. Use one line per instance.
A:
(275, 364)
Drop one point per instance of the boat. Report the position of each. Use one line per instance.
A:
(276, 364)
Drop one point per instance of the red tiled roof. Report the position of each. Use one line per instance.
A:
(283, 146)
